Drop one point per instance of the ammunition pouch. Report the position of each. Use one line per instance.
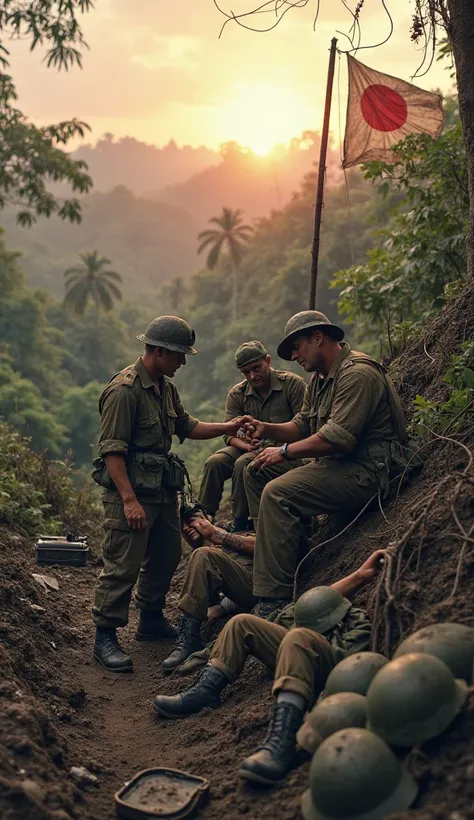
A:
(147, 472)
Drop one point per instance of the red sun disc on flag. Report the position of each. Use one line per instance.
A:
(383, 108)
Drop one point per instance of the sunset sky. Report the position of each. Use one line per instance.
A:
(156, 70)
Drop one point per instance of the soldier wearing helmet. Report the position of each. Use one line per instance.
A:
(266, 394)
(351, 426)
(301, 646)
(140, 411)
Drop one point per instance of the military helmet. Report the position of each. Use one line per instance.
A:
(320, 609)
(355, 673)
(413, 698)
(330, 715)
(304, 320)
(355, 776)
(451, 643)
(249, 352)
(170, 332)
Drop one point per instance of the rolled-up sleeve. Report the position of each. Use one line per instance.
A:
(357, 395)
(233, 408)
(185, 423)
(118, 408)
(302, 418)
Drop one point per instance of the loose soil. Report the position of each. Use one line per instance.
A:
(59, 709)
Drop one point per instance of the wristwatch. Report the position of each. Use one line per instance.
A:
(284, 451)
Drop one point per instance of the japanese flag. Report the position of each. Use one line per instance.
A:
(381, 111)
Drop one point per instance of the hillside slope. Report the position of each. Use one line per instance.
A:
(63, 710)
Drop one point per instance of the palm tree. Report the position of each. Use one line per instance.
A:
(231, 235)
(91, 281)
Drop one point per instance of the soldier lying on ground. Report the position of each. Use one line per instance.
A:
(303, 644)
(352, 427)
(266, 394)
(140, 411)
(223, 566)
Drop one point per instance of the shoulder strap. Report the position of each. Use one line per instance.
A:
(393, 400)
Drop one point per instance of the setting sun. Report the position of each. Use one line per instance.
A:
(261, 116)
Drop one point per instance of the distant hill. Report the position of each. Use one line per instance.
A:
(142, 167)
(148, 242)
(244, 180)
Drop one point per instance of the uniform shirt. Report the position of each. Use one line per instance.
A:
(282, 403)
(352, 634)
(136, 416)
(350, 406)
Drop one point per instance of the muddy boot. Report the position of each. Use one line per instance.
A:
(189, 641)
(153, 626)
(273, 758)
(204, 693)
(109, 653)
(269, 606)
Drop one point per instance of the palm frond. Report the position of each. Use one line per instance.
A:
(73, 271)
(209, 240)
(105, 299)
(111, 274)
(112, 289)
(214, 254)
(77, 297)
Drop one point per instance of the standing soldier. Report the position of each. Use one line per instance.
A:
(267, 394)
(351, 425)
(140, 412)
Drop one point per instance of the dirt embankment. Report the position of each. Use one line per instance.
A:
(58, 709)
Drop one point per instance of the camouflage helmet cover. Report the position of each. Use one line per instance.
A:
(304, 320)
(170, 332)
(320, 609)
(355, 776)
(413, 698)
(354, 673)
(450, 642)
(330, 715)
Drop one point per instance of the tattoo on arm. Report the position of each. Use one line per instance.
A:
(230, 540)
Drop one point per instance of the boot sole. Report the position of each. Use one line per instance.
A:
(112, 669)
(170, 716)
(258, 778)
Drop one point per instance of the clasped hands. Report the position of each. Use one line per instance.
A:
(252, 432)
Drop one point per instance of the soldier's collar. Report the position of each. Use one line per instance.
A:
(336, 365)
(275, 384)
(143, 375)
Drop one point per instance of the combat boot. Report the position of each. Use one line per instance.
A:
(273, 758)
(204, 693)
(109, 653)
(189, 641)
(153, 626)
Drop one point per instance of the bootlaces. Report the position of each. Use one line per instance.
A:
(281, 717)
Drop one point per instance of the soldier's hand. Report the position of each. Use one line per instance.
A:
(240, 422)
(135, 514)
(203, 526)
(255, 432)
(268, 457)
(372, 566)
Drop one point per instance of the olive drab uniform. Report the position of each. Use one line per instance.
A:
(300, 657)
(282, 403)
(356, 408)
(138, 421)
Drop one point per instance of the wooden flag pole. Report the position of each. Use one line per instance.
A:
(321, 174)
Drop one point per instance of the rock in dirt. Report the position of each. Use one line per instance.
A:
(46, 581)
(83, 776)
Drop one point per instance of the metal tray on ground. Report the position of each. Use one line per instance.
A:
(164, 793)
(53, 550)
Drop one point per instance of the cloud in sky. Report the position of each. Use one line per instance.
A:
(156, 70)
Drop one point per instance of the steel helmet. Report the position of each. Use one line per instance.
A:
(354, 673)
(330, 715)
(451, 643)
(355, 776)
(320, 609)
(170, 332)
(304, 320)
(413, 698)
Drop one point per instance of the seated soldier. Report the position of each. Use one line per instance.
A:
(270, 395)
(302, 646)
(224, 566)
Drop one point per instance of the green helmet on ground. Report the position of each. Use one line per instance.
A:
(320, 609)
(306, 320)
(170, 332)
(451, 643)
(413, 698)
(355, 776)
(336, 712)
(355, 673)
